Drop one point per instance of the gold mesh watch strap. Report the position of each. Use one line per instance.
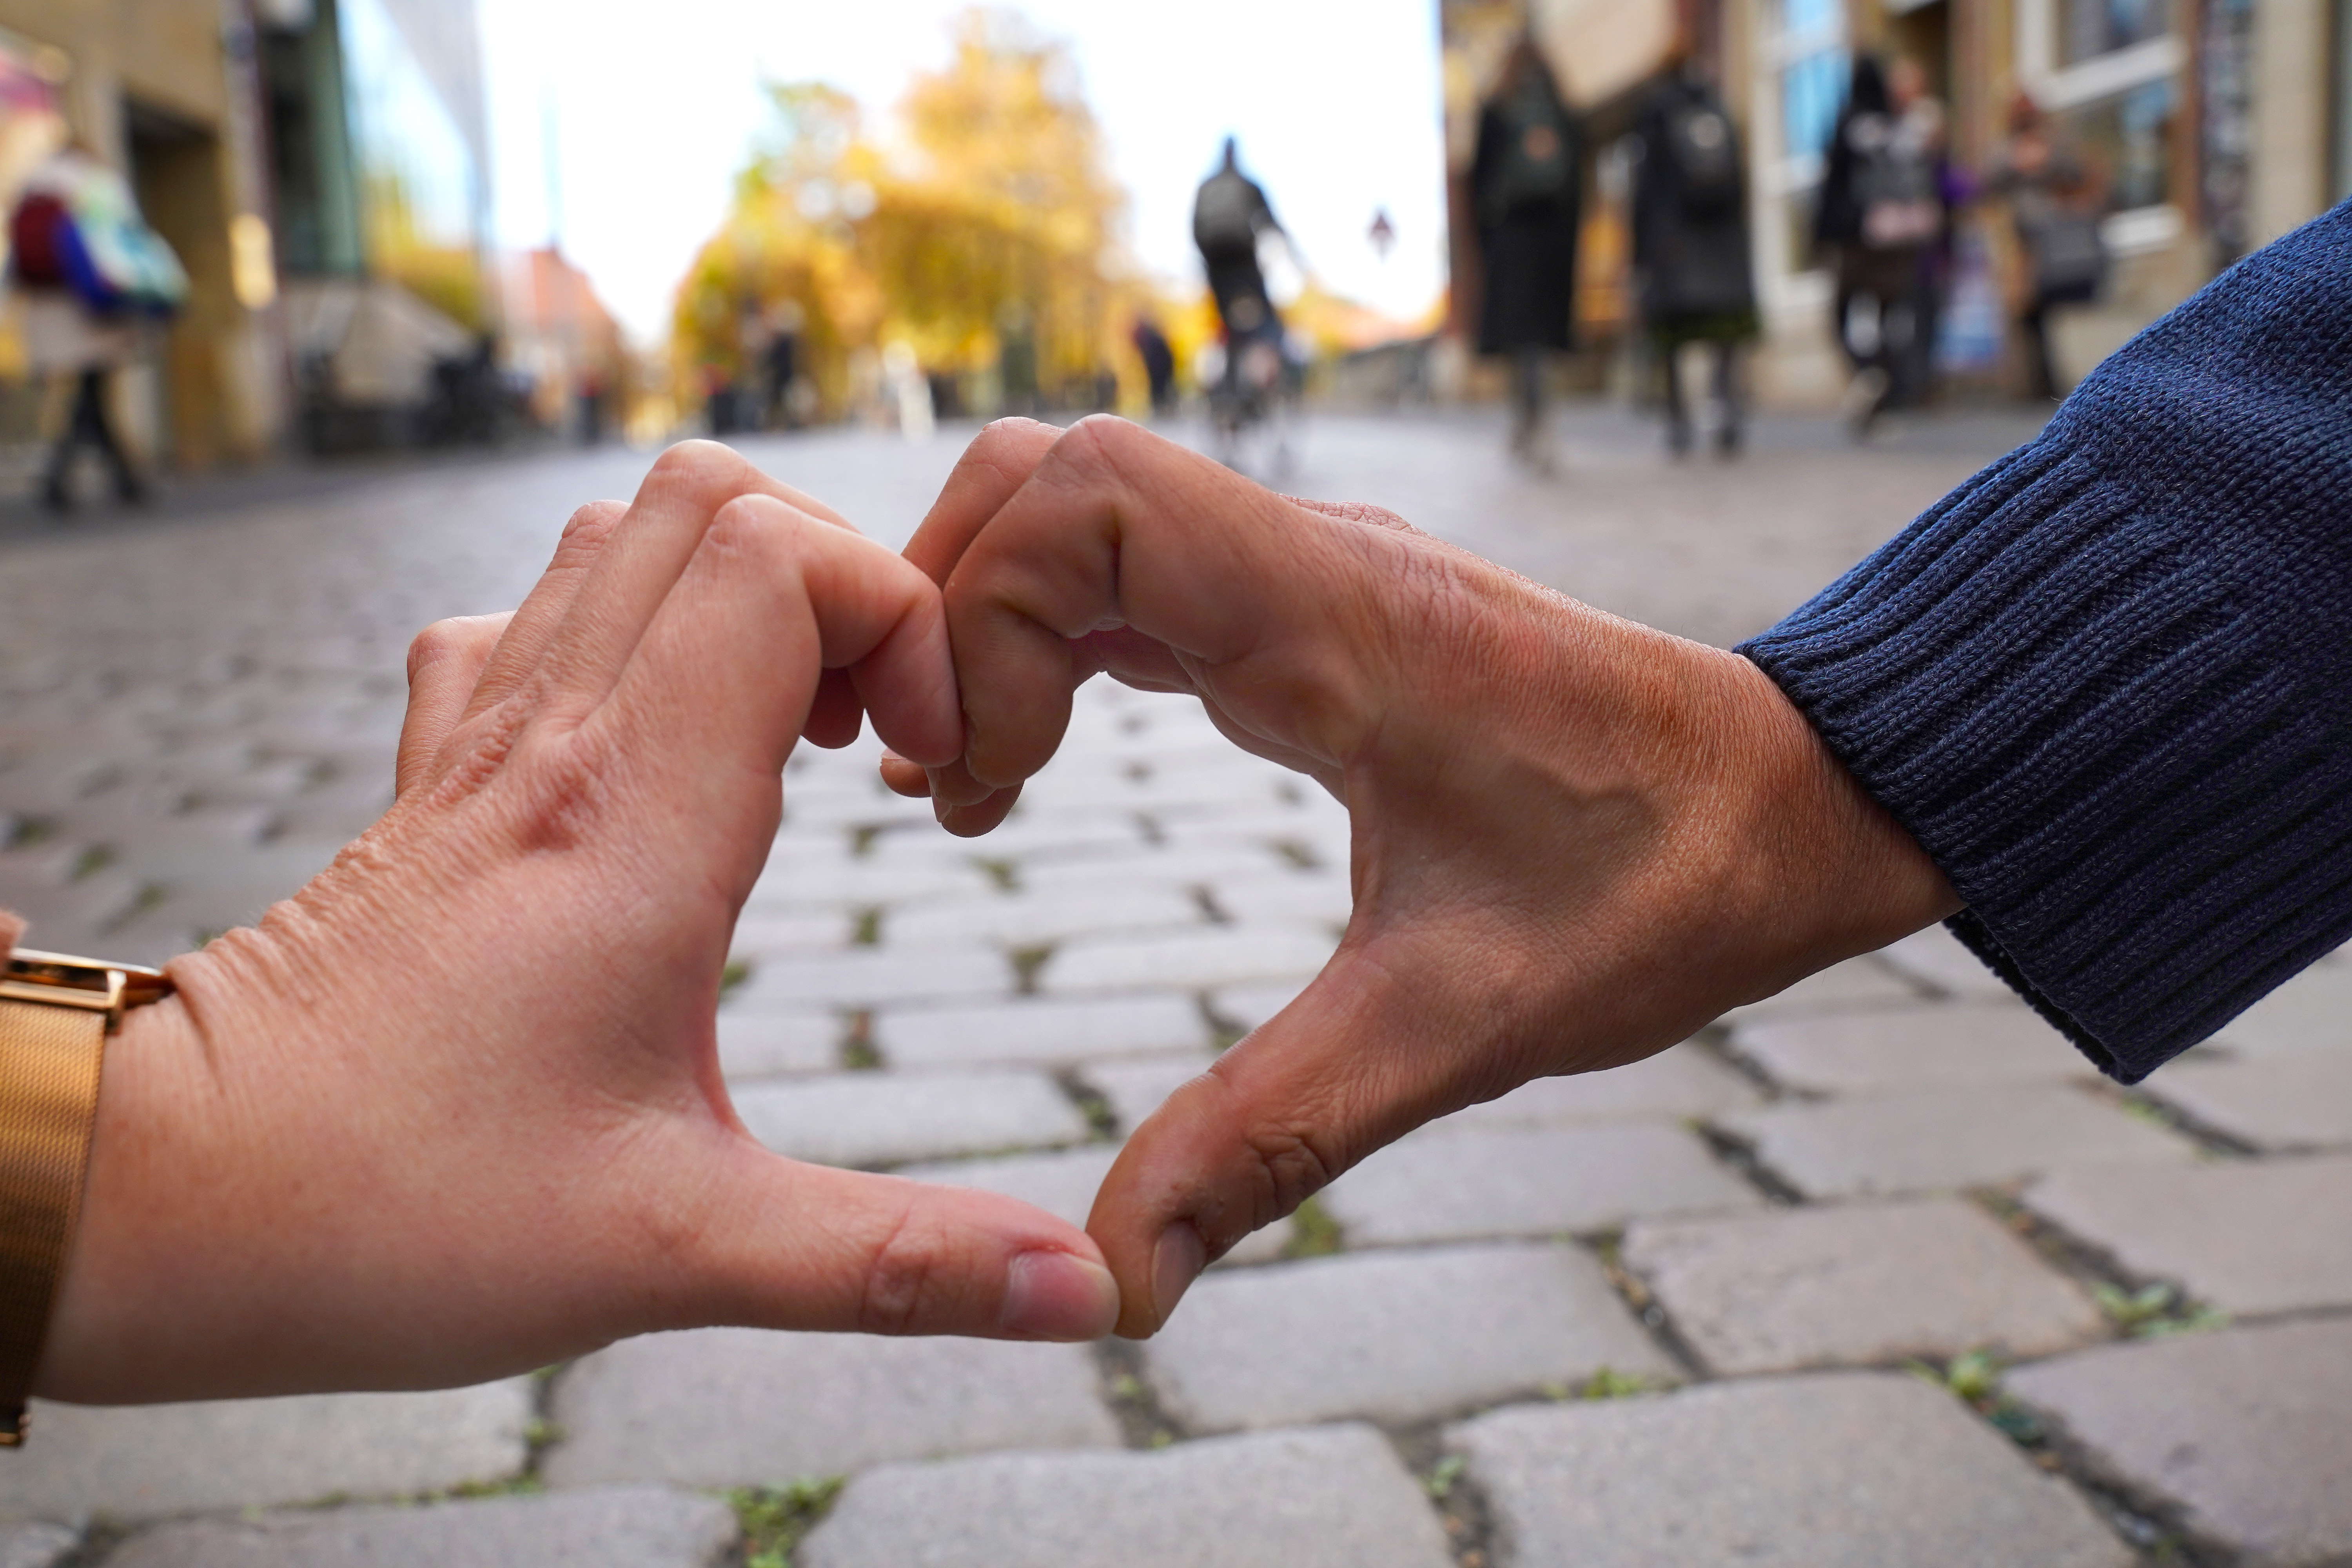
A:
(54, 1015)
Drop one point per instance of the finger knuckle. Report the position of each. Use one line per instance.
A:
(906, 1278)
(436, 642)
(698, 465)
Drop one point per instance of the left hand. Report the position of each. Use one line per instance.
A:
(454, 1109)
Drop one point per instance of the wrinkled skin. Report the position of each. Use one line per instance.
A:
(454, 1110)
(1576, 840)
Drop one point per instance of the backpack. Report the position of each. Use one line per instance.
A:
(1703, 153)
(1225, 213)
(1894, 184)
(1537, 166)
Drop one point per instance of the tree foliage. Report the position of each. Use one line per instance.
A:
(994, 216)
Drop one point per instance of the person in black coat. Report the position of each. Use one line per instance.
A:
(1526, 183)
(1691, 257)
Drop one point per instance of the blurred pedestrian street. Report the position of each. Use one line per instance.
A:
(1875, 1274)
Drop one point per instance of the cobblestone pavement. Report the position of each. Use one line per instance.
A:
(1874, 1273)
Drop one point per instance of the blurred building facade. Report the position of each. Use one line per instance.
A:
(320, 166)
(379, 163)
(163, 89)
(2218, 125)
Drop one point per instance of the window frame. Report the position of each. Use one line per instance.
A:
(2060, 88)
(1777, 175)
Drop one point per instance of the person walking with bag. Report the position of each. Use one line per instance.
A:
(1524, 181)
(2054, 202)
(1881, 214)
(1690, 243)
(88, 270)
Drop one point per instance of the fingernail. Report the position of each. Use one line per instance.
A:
(1055, 1296)
(1176, 1262)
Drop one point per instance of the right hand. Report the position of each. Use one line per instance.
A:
(1576, 840)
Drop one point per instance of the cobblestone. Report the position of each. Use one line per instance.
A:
(1914, 1046)
(624, 1528)
(1034, 920)
(729, 1407)
(1134, 1089)
(1447, 1186)
(1332, 1497)
(1192, 961)
(2243, 1432)
(761, 1044)
(1941, 960)
(1681, 1083)
(1935, 1139)
(1856, 982)
(2222, 1231)
(2274, 1103)
(147, 1461)
(37, 1546)
(1398, 1337)
(1837, 1470)
(874, 1119)
(1855, 1285)
(1052, 1032)
(2311, 1012)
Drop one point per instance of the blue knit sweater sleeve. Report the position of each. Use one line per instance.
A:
(2107, 683)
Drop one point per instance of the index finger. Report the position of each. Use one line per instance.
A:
(1116, 527)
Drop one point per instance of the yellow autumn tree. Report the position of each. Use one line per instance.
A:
(983, 237)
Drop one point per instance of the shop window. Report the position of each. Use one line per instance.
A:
(2110, 71)
(1807, 67)
(2343, 99)
(2089, 28)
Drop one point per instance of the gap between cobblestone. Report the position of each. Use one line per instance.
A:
(1091, 1103)
(1461, 1506)
(1142, 1423)
(1635, 1292)
(858, 1051)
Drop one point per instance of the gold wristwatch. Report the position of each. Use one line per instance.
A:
(54, 1015)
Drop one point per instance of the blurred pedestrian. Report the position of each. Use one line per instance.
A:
(88, 270)
(1524, 184)
(1230, 216)
(785, 324)
(1690, 242)
(1881, 212)
(2054, 201)
(1159, 363)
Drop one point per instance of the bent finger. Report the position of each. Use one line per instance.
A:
(729, 670)
(1117, 528)
(445, 666)
(998, 462)
(549, 600)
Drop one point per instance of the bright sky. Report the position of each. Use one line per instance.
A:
(653, 110)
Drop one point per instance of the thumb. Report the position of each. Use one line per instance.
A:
(1362, 1057)
(794, 1246)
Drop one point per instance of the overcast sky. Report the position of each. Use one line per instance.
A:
(652, 109)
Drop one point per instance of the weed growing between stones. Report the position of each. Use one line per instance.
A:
(1973, 1377)
(1003, 874)
(732, 978)
(1100, 1120)
(866, 928)
(775, 1520)
(1313, 1232)
(2156, 1312)
(858, 1051)
(1027, 964)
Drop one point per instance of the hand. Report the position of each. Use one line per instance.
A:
(454, 1110)
(1576, 840)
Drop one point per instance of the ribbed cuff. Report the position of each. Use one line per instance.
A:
(2107, 683)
